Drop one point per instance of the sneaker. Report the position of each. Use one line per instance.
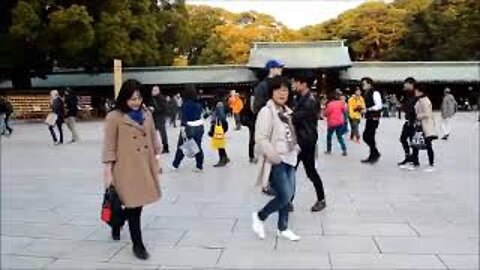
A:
(404, 162)
(328, 152)
(253, 160)
(413, 167)
(258, 226)
(344, 153)
(288, 234)
(430, 168)
(405, 166)
(319, 206)
(197, 170)
(172, 168)
(445, 137)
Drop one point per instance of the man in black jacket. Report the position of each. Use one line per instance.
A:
(159, 108)
(71, 101)
(258, 99)
(305, 120)
(374, 106)
(408, 129)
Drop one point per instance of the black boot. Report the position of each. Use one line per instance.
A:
(222, 162)
(116, 233)
(405, 161)
(141, 252)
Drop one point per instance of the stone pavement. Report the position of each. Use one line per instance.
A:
(378, 217)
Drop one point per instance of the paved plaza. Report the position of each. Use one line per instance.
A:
(378, 217)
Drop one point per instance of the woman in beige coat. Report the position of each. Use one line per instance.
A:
(276, 139)
(423, 109)
(130, 153)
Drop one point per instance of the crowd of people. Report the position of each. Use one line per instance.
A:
(282, 116)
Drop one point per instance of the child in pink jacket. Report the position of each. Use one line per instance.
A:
(334, 112)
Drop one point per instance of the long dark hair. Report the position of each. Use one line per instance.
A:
(190, 92)
(129, 87)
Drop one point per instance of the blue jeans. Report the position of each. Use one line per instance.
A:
(339, 131)
(192, 132)
(282, 180)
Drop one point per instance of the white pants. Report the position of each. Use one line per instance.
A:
(445, 126)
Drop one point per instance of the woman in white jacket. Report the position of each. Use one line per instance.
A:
(277, 142)
(423, 109)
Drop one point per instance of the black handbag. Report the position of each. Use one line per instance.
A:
(112, 212)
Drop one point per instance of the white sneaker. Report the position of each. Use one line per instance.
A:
(197, 170)
(171, 168)
(429, 169)
(412, 167)
(258, 226)
(288, 234)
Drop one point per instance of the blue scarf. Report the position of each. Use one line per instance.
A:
(137, 116)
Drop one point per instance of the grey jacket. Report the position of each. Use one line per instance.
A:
(449, 106)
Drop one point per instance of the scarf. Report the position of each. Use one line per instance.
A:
(137, 116)
(291, 136)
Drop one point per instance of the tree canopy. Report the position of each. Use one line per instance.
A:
(38, 35)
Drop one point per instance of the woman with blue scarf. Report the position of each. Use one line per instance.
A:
(130, 156)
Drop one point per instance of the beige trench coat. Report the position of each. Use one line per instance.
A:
(132, 148)
(423, 108)
(269, 131)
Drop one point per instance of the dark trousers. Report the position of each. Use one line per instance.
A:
(133, 216)
(222, 153)
(407, 133)
(339, 131)
(307, 157)
(160, 123)
(431, 155)
(371, 126)
(192, 132)
(60, 131)
(251, 142)
(7, 126)
(283, 182)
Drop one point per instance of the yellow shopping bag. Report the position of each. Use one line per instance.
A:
(218, 138)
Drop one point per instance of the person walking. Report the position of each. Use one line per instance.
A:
(356, 104)
(219, 117)
(449, 108)
(247, 118)
(260, 97)
(425, 120)
(408, 130)
(236, 104)
(57, 106)
(374, 105)
(192, 127)
(3, 116)
(276, 138)
(305, 120)
(158, 107)
(71, 102)
(335, 114)
(130, 156)
(173, 111)
(7, 109)
(179, 101)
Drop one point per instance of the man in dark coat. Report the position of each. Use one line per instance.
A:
(159, 108)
